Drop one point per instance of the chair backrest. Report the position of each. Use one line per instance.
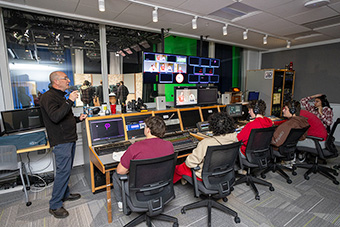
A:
(8, 157)
(289, 146)
(151, 183)
(258, 147)
(330, 139)
(218, 168)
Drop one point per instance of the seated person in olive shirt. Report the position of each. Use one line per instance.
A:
(223, 130)
(151, 147)
(291, 111)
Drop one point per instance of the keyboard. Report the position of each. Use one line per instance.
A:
(183, 141)
(112, 147)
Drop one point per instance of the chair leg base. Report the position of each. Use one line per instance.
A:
(323, 170)
(250, 180)
(278, 168)
(144, 217)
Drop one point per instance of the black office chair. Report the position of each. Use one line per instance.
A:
(150, 183)
(257, 153)
(285, 152)
(218, 177)
(323, 150)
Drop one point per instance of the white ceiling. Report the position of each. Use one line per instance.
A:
(281, 19)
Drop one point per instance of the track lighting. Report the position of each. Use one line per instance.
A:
(265, 39)
(288, 44)
(194, 23)
(155, 15)
(245, 34)
(101, 5)
(225, 29)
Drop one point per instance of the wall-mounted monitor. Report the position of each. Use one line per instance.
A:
(205, 62)
(22, 119)
(107, 130)
(185, 96)
(135, 125)
(194, 61)
(215, 62)
(207, 95)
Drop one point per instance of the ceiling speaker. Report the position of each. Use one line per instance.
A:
(316, 3)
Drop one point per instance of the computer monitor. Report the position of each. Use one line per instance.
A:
(190, 118)
(185, 96)
(107, 130)
(234, 110)
(171, 121)
(207, 95)
(206, 112)
(253, 95)
(22, 119)
(135, 125)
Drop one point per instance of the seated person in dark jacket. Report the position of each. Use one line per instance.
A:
(291, 111)
(152, 147)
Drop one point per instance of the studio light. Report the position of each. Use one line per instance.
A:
(265, 39)
(245, 34)
(288, 44)
(101, 5)
(225, 29)
(155, 15)
(194, 23)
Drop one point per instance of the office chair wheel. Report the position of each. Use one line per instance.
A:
(225, 199)
(306, 177)
(30, 203)
(336, 182)
(271, 188)
(289, 181)
(257, 197)
(263, 176)
(294, 173)
(232, 189)
(237, 219)
(28, 188)
(175, 224)
(336, 174)
(182, 211)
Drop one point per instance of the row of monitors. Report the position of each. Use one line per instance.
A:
(131, 126)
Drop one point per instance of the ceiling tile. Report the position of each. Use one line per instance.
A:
(312, 15)
(68, 6)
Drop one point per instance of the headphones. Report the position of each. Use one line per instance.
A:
(256, 109)
(292, 109)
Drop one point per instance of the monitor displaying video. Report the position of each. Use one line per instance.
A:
(185, 96)
(234, 110)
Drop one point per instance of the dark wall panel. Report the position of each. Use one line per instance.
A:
(316, 69)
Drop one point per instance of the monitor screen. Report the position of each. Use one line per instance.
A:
(22, 119)
(215, 62)
(135, 125)
(234, 110)
(185, 96)
(171, 121)
(190, 118)
(253, 95)
(107, 130)
(205, 62)
(194, 61)
(207, 95)
(206, 112)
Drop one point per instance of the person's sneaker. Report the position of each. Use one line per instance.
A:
(120, 206)
(59, 213)
(183, 181)
(242, 172)
(72, 197)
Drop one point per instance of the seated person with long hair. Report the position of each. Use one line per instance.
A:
(256, 110)
(321, 108)
(152, 147)
(223, 130)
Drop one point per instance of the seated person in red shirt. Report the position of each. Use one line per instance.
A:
(291, 111)
(223, 130)
(256, 109)
(151, 147)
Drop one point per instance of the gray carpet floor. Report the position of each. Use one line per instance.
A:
(315, 202)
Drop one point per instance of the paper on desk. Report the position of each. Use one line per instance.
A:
(116, 156)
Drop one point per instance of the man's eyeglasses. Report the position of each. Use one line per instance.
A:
(64, 78)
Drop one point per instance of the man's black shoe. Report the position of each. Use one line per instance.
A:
(72, 197)
(59, 213)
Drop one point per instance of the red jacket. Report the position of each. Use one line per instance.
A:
(316, 126)
(259, 122)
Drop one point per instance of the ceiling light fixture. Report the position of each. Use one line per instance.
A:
(245, 34)
(194, 23)
(265, 39)
(288, 44)
(225, 29)
(155, 15)
(101, 5)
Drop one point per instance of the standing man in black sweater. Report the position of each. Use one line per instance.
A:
(60, 124)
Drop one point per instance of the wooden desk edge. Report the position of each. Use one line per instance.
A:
(35, 148)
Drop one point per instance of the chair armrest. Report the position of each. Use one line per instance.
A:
(153, 187)
(123, 177)
(315, 138)
(194, 181)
